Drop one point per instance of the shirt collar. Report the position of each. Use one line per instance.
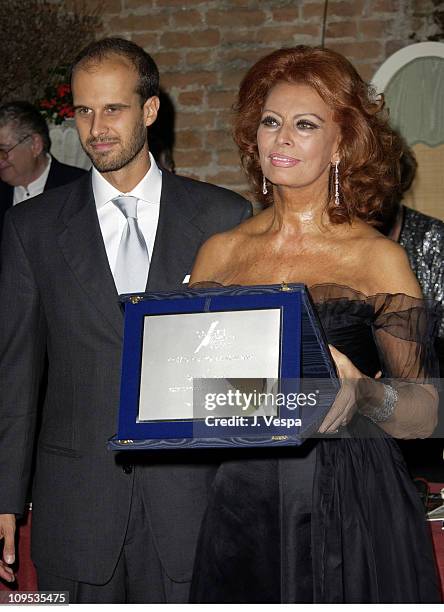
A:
(148, 189)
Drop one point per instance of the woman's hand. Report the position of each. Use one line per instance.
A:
(346, 402)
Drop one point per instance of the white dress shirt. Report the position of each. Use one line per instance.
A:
(35, 188)
(112, 220)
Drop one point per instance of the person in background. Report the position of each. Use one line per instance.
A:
(26, 166)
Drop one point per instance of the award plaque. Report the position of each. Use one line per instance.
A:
(225, 366)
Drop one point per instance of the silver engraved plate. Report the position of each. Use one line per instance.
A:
(179, 348)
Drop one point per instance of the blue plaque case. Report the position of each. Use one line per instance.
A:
(304, 355)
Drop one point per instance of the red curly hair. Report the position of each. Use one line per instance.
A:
(369, 149)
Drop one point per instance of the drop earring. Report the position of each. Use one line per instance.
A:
(337, 200)
(264, 185)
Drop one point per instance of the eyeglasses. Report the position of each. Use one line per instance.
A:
(5, 152)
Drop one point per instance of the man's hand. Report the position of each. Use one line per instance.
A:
(7, 533)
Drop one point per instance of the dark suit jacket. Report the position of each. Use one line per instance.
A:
(58, 296)
(59, 174)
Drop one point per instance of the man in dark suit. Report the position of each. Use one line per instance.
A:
(26, 167)
(106, 528)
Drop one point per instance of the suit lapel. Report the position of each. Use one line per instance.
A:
(6, 195)
(177, 237)
(81, 242)
(54, 170)
(6, 200)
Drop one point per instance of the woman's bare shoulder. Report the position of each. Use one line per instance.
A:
(380, 265)
(389, 268)
(217, 255)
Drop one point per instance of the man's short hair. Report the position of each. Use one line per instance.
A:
(25, 119)
(142, 62)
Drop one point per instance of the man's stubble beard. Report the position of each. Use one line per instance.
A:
(118, 160)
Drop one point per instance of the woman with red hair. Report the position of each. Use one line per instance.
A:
(337, 519)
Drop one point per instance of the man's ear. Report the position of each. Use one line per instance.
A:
(36, 144)
(150, 110)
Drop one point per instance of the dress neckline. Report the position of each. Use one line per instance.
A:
(333, 292)
(351, 291)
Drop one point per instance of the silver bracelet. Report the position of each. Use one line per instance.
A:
(385, 411)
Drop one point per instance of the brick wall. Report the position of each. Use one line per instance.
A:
(204, 48)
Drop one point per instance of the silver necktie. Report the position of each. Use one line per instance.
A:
(131, 271)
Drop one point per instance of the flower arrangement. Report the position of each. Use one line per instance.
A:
(56, 106)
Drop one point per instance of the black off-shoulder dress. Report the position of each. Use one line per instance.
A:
(335, 520)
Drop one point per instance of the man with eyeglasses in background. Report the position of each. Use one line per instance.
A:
(26, 167)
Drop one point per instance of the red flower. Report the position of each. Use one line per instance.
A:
(57, 106)
(63, 89)
(66, 110)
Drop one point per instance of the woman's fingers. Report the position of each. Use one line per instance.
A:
(345, 367)
(337, 358)
(338, 415)
(339, 422)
